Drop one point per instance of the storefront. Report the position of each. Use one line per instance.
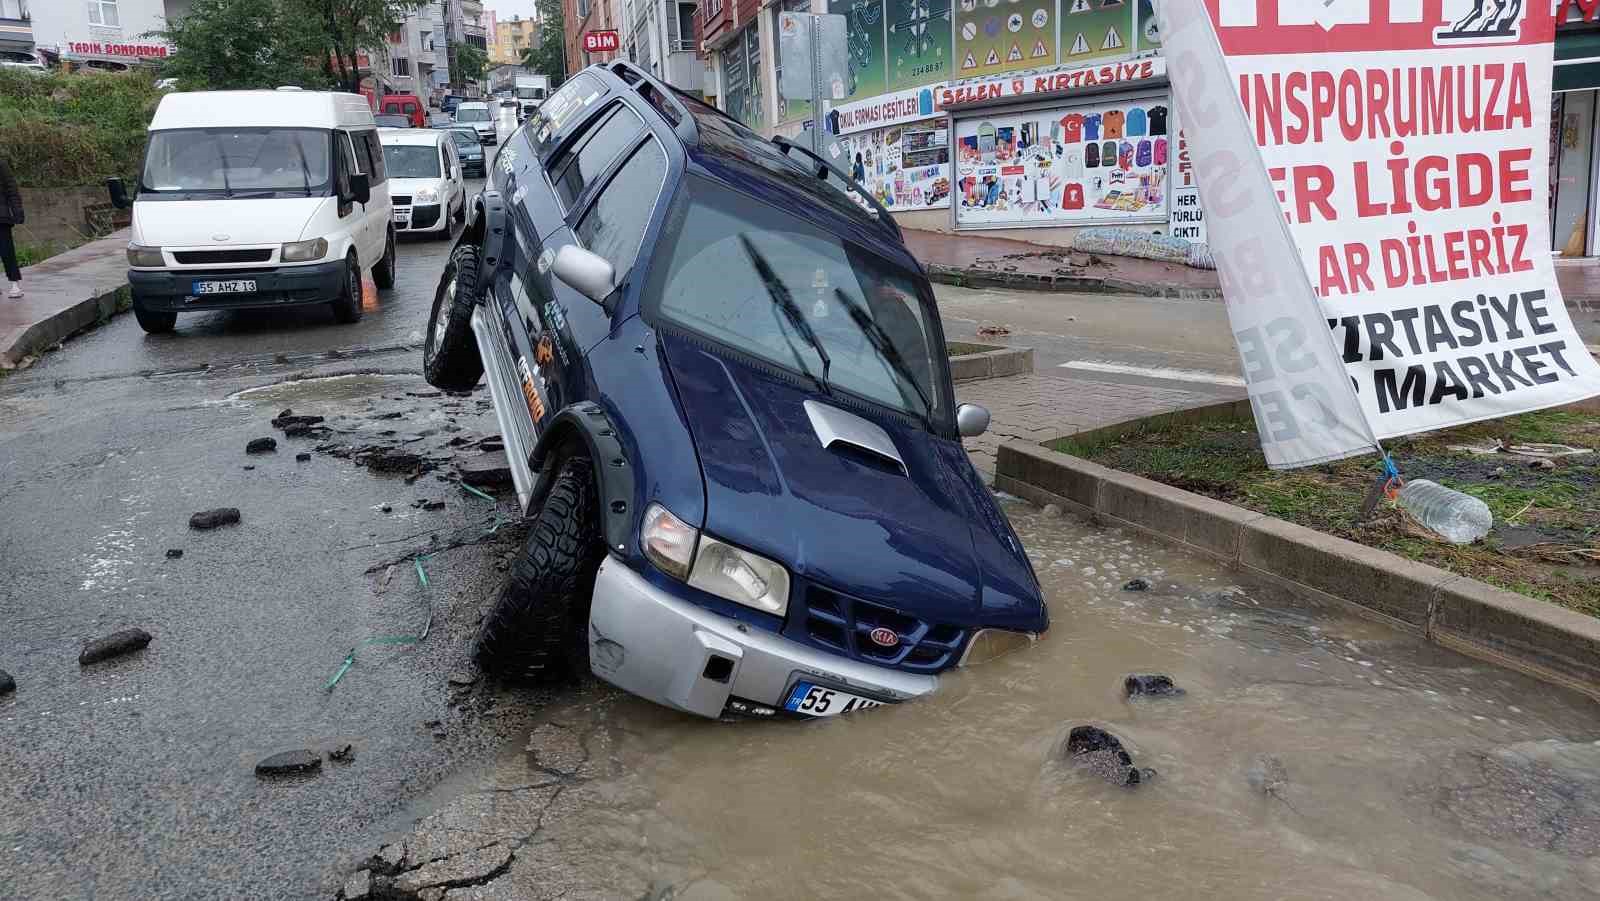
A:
(897, 147)
(1574, 131)
(1093, 145)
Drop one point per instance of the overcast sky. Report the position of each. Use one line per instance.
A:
(505, 9)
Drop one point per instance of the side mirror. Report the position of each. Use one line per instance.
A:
(972, 420)
(119, 193)
(588, 273)
(360, 187)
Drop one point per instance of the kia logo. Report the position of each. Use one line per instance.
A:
(882, 637)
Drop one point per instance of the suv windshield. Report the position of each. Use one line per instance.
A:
(265, 162)
(472, 114)
(411, 160)
(799, 298)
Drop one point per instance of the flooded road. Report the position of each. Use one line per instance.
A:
(1315, 755)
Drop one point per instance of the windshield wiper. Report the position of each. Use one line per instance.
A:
(227, 188)
(305, 167)
(884, 345)
(779, 292)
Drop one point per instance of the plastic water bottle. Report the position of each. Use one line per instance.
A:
(1458, 518)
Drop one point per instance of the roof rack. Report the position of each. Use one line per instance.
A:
(651, 90)
(869, 204)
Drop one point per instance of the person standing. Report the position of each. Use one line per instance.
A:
(10, 215)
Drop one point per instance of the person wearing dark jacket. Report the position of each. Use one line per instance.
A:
(10, 215)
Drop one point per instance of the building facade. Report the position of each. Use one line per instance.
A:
(1575, 134)
(512, 37)
(1025, 119)
(16, 30)
(582, 17)
(94, 33)
(659, 36)
(416, 58)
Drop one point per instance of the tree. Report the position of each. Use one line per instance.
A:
(237, 44)
(469, 64)
(549, 55)
(345, 27)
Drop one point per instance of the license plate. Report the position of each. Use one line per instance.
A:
(245, 286)
(817, 700)
(402, 216)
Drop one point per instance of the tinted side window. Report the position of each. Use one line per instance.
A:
(370, 151)
(557, 114)
(615, 132)
(614, 225)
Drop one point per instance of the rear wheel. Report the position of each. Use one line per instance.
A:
(530, 631)
(450, 358)
(347, 307)
(155, 322)
(383, 273)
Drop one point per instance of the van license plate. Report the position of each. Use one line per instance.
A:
(816, 700)
(245, 286)
(402, 217)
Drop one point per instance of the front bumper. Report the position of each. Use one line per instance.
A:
(422, 217)
(276, 286)
(649, 643)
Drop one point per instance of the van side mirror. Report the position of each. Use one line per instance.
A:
(972, 420)
(119, 193)
(360, 187)
(586, 272)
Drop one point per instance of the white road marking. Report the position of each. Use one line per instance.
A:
(1156, 372)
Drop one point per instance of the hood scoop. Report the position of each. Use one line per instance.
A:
(866, 441)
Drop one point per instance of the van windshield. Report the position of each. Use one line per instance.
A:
(472, 114)
(235, 162)
(411, 160)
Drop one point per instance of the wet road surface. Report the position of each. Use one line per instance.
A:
(1315, 755)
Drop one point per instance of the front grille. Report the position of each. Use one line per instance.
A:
(401, 200)
(210, 257)
(424, 217)
(843, 624)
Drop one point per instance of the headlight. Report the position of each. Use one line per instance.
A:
(668, 541)
(145, 257)
(991, 643)
(681, 551)
(304, 251)
(740, 576)
(425, 195)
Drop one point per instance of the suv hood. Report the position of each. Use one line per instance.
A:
(198, 223)
(919, 541)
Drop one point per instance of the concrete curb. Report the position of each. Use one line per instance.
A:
(994, 364)
(63, 323)
(1061, 284)
(1508, 629)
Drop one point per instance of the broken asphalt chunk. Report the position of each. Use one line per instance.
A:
(288, 763)
(1100, 753)
(287, 420)
(302, 457)
(114, 645)
(387, 459)
(1140, 584)
(211, 519)
(471, 867)
(344, 752)
(7, 684)
(358, 886)
(261, 446)
(490, 470)
(174, 553)
(1152, 685)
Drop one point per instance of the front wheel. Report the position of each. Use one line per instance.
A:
(155, 322)
(450, 358)
(532, 626)
(347, 306)
(383, 273)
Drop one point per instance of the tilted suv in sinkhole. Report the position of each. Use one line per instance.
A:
(725, 398)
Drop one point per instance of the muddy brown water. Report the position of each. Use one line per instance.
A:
(1316, 754)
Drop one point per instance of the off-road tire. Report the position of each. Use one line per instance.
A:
(383, 273)
(347, 306)
(155, 322)
(530, 634)
(450, 359)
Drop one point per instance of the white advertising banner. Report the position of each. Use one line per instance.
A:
(1406, 144)
(1304, 408)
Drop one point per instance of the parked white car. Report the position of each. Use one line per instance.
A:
(258, 199)
(426, 184)
(478, 115)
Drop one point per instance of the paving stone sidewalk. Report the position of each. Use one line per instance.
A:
(1036, 408)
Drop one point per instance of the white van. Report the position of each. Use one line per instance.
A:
(258, 199)
(425, 181)
(482, 120)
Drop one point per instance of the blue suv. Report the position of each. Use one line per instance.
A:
(724, 393)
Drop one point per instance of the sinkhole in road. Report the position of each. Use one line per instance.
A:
(1315, 754)
(347, 386)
